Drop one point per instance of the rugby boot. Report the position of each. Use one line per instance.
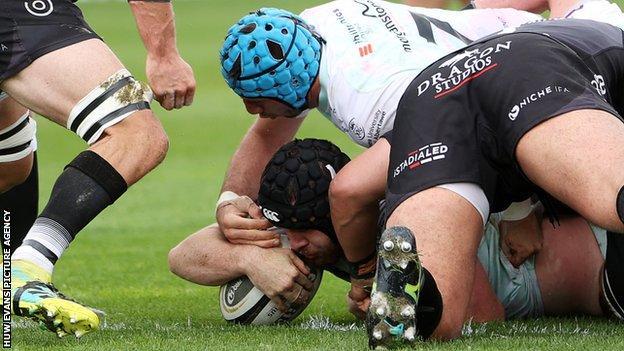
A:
(34, 297)
(391, 317)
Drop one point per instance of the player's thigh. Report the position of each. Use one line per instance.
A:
(55, 82)
(578, 157)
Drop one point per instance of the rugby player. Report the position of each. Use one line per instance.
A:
(539, 137)
(355, 75)
(54, 64)
(349, 59)
(563, 278)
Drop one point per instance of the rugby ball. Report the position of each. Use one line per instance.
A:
(242, 303)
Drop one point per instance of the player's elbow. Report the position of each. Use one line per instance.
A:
(178, 261)
(343, 191)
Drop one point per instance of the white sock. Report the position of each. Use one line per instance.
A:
(44, 244)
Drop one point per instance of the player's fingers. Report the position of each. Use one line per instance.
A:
(303, 296)
(301, 266)
(179, 99)
(261, 243)
(296, 295)
(304, 282)
(158, 95)
(190, 94)
(252, 223)
(243, 203)
(252, 235)
(168, 101)
(255, 212)
(279, 302)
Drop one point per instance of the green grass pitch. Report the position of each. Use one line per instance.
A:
(119, 262)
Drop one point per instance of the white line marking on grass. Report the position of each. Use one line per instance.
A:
(323, 323)
(517, 328)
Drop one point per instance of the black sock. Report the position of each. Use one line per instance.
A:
(87, 186)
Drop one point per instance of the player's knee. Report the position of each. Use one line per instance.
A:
(153, 140)
(15, 173)
(142, 137)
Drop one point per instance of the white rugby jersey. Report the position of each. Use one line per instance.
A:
(375, 48)
(598, 10)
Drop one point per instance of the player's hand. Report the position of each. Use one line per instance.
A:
(521, 239)
(358, 298)
(171, 80)
(242, 222)
(282, 276)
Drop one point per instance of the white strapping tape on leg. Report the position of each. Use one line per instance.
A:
(19, 139)
(108, 104)
(3, 95)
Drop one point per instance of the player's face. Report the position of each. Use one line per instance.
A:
(267, 108)
(314, 245)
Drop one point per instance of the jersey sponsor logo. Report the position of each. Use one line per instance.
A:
(462, 68)
(366, 50)
(356, 129)
(599, 84)
(358, 36)
(374, 132)
(421, 156)
(39, 8)
(515, 111)
(375, 10)
(270, 215)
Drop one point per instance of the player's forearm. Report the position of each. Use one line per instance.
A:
(207, 258)
(255, 150)
(356, 226)
(354, 200)
(536, 6)
(156, 24)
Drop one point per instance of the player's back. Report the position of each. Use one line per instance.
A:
(375, 48)
(599, 45)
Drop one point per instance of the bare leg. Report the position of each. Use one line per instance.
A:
(14, 172)
(133, 147)
(447, 229)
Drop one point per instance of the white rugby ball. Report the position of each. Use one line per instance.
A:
(242, 303)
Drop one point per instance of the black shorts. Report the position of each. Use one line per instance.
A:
(30, 29)
(461, 119)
